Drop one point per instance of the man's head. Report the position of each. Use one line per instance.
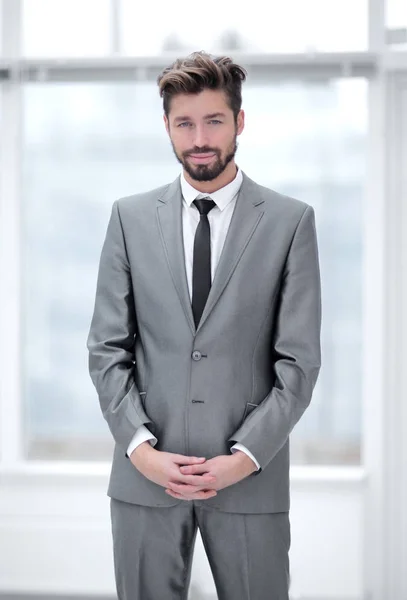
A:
(202, 112)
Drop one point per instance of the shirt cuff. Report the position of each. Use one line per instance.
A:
(142, 435)
(239, 446)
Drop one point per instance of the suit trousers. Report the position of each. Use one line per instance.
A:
(153, 549)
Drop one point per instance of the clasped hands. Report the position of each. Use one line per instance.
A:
(191, 477)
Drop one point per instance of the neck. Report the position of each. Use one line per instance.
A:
(207, 187)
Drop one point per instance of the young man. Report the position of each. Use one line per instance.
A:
(204, 348)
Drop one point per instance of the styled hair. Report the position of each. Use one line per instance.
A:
(200, 71)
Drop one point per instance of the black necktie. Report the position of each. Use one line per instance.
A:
(201, 270)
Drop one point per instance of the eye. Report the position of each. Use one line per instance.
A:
(184, 123)
(216, 121)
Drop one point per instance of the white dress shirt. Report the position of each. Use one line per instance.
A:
(219, 220)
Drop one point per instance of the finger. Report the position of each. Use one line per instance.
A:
(203, 494)
(188, 460)
(207, 494)
(186, 489)
(197, 480)
(194, 469)
(179, 495)
(182, 488)
(176, 495)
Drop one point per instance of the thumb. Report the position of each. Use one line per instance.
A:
(188, 460)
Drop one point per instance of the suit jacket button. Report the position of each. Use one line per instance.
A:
(196, 355)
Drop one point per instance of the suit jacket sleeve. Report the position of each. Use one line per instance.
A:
(111, 339)
(296, 349)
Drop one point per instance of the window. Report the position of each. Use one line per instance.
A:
(275, 26)
(61, 28)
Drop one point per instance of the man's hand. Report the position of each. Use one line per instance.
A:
(226, 470)
(163, 468)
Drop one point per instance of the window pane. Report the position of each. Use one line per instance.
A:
(86, 145)
(396, 24)
(66, 28)
(290, 26)
(1, 27)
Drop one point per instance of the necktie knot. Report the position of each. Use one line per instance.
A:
(204, 205)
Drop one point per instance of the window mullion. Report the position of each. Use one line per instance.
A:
(10, 270)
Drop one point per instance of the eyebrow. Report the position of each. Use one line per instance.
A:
(210, 116)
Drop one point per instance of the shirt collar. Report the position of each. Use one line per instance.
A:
(221, 197)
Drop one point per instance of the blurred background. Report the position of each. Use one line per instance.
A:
(80, 126)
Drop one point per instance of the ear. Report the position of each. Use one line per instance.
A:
(240, 122)
(166, 123)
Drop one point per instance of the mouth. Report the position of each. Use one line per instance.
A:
(202, 158)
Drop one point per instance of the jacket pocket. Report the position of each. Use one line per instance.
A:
(150, 426)
(248, 409)
(143, 398)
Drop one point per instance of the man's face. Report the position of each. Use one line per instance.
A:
(203, 133)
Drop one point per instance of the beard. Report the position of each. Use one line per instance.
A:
(207, 172)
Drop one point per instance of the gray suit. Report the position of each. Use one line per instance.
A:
(246, 374)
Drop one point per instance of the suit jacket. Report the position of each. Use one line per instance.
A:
(245, 374)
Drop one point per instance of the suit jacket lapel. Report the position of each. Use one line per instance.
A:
(169, 218)
(245, 219)
(246, 216)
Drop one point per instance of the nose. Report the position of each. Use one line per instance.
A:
(200, 137)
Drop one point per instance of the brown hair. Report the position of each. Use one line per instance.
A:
(198, 71)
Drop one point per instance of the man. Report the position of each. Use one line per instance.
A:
(204, 348)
